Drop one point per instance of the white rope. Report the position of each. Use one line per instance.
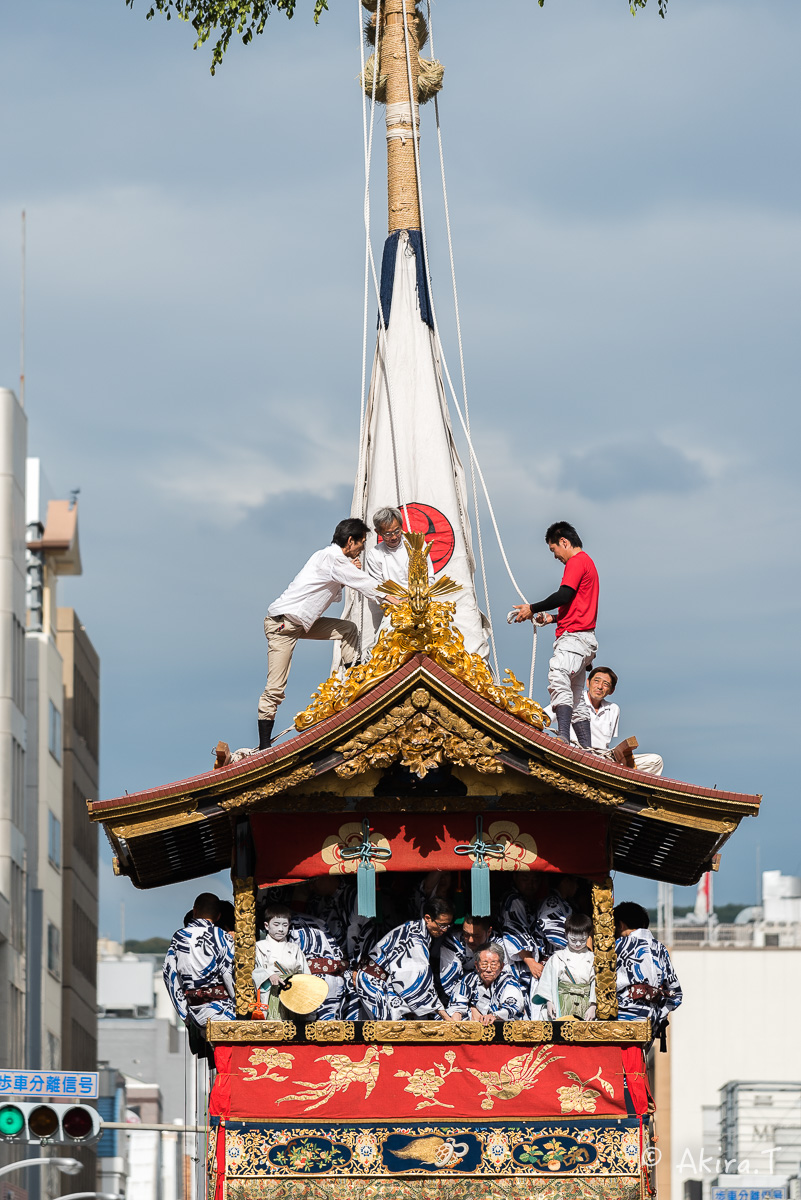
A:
(463, 422)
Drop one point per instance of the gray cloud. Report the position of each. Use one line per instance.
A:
(628, 469)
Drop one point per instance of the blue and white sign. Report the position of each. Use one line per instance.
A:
(748, 1193)
(56, 1085)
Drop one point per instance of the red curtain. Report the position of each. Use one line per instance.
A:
(292, 847)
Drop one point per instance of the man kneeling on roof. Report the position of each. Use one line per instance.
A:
(605, 718)
(298, 613)
(397, 982)
(491, 992)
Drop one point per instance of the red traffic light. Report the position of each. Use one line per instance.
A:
(78, 1123)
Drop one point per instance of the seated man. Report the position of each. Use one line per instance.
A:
(553, 912)
(199, 967)
(605, 717)
(324, 958)
(491, 992)
(646, 982)
(457, 953)
(397, 982)
(298, 613)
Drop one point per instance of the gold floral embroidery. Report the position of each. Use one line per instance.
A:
(519, 849)
(350, 835)
(517, 1075)
(427, 1083)
(581, 1098)
(269, 1057)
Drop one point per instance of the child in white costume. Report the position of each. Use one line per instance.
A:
(566, 988)
(276, 959)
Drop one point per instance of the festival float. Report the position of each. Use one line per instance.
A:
(422, 759)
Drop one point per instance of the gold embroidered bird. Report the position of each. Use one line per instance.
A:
(517, 1075)
(437, 1151)
(344, 1072)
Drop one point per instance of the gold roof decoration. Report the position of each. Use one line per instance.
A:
(421, 623)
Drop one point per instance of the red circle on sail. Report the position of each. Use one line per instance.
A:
(436, 528)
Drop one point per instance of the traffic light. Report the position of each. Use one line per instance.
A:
(37, 1123)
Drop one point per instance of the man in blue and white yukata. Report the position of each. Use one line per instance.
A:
(518, 918)
(647, 986)
(398, 983)
(327, 960)
(199, 967)
(549, 927)
(491, 992)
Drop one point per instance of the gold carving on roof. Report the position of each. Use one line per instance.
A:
(575, 787)
(420, 737)
(427, 1031)
(421, 623)
(528, 1031)
(603, 941)
(273, 787)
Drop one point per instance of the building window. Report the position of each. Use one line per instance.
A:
(17, 784)
(54, 740)
(18, 664)
(84, 943)
(86, 714)
(17, 908)
(16, 1032)
(53, 950)
(84, 832)
(53, 840)
(53, 1052)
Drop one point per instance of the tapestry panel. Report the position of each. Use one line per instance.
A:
(290, 847)
(522, 1188)
(290, 1082)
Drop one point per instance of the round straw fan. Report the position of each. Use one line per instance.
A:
(303, 993)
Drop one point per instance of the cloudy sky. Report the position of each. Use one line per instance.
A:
(625, 207)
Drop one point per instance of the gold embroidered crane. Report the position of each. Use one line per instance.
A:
(421, 623)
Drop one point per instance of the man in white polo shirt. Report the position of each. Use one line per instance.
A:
(298, 613)
(605, 718)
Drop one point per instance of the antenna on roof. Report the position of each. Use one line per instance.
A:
(74, 494)
(22, 316)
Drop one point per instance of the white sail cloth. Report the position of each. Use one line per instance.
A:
(407, 455)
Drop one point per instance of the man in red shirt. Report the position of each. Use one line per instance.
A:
(575, 646)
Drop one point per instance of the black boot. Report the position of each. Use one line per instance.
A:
(564, 715)
(265, 732)
(583, 734)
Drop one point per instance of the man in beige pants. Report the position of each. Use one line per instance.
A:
(298, 613)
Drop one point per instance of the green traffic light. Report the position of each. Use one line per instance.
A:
(12, 1120)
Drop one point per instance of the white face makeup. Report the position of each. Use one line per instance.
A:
(278, 928)
(576, 942)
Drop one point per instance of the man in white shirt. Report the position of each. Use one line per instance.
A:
(605, 718)
(298, 613)
(388, 559)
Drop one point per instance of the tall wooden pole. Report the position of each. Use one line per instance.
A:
(402, 196)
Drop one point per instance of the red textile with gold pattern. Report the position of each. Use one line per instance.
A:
(290, 847)
(297, 1082)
